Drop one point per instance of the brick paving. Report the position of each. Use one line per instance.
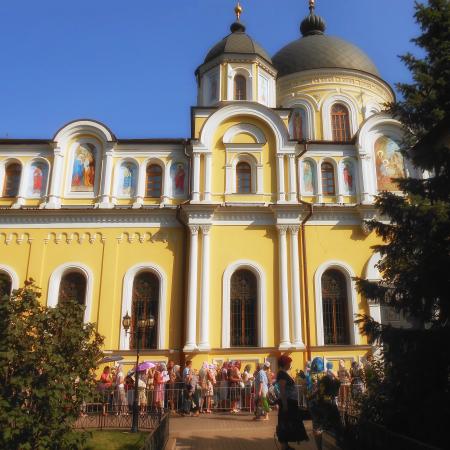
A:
(223, 431)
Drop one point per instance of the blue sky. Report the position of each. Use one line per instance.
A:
(130, 64)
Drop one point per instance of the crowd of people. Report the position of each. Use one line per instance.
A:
(191, 391)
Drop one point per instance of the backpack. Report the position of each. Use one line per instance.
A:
(274, 394)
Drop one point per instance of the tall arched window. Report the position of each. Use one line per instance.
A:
(5, 284)
(12, 180)
(328, 184)
(244, 301)
(243, 178)
(73, 287)
(240, 87)
(340, 122)
(145, 304)
(154, 181)
(335, 308)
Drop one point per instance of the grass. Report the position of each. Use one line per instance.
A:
(115, 440)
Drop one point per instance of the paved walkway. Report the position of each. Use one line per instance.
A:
(227, 432)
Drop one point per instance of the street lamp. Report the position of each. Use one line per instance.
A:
(141, 324)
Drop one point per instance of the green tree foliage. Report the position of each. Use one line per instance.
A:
(413, 396)
(47, 367)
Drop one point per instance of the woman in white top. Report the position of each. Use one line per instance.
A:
(121, 397)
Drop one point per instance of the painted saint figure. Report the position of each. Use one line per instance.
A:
(308, 178)
(128, 179)
(178, 174)
(348, 177)
(298, 124)
(389, 163)
(83, 173)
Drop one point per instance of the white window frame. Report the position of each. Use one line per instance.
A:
(12, 274)
(301, 182)
(327, 105)
(258, 271)
(117, 178)
(29, 180)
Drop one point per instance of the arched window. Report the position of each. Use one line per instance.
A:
(243, 178)
(244, 301)
(154, 181)
(240, 87)
(145, 304)
(340, 123)
(12, 180)
(328, 185)
(298, 124)
(73, 287)
(5, 284)
(335, 311)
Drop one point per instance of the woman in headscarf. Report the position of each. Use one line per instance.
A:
(159, 386)
(290, 423)
(121, 396)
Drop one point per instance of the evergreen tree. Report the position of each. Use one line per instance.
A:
(47, 368)
(413, 396)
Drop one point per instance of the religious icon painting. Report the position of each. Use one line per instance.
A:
(298, 124)
(178, 175)
(37, 181)
(308, 178)
(83, 171)
(389, 163)
(128, 179)
(348, 177)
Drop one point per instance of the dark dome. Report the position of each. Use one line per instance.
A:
(315, 50)
(237, 42)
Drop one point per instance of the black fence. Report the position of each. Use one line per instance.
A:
(158, 438)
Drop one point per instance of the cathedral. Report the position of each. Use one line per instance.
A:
(241, 241)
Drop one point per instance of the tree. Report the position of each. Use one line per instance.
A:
(413, 396)
(47, 368)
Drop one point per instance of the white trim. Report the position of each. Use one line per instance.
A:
(12, 274)
(336, 177)
(152, 160)
(351, 295)
(226, 301)
(127, 298)
(55, 281)
(83, 127)
(327, 104)
(27, 174)
(244, 128)
(354, 163)
(372, 273)
(301, 182)
(309, 110)
(246, 72)
(117, 178)
(3, 164)
(254, 166)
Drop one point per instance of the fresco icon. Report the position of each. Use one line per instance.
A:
(178, 175)
(389, 163)
(83, 173)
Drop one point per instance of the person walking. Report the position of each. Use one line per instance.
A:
(290, 422)
(261, 388)
(121, 396)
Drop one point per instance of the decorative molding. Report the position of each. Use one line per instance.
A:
(80, 238)
(244, 128)
(12, 274)
(15, 238)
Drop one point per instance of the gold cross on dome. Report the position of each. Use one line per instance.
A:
(312, 4)
(238, 10)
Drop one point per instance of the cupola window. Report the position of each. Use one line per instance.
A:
(243, 178)
(340, 123)
(328, 184)
(240, 87)
(154, 181)
(12, 180)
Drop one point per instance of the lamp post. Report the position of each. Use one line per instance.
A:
(140, 325)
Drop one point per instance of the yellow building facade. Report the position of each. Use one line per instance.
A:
(242, 241)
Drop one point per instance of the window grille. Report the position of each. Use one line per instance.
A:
(73, 287)
(145, 304)
(328, 184)
(243, 178)
(243, 309)
(335, 309)
(340, 123)
(240, 87)
(154, 181)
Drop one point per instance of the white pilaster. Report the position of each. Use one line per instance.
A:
(259, 179)
(295, 285)
(196, 178)
(105, 195)
(204, 305)
(339, 184)
(285, 342)
(365, 188)
(54, 199)
(229, 179)
(140, 191)
(292, 179)
(319, 196)
(166, 187)
(280, 177)
(191, 316)
(22, 192)
(208, 170)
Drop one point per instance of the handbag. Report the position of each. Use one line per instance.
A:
(274, 394)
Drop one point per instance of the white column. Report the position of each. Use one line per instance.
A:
(54, 199)
(22, 191)
(285, 342)
(319, 196)
(259, 179)
(339, 184)
(191, 316)
(105, 193)
(292, 179)
(208, 170)
(295, 285)
(140, 191)
(205, 295)
(196, 178)
(280, 176)
(365, 178)
(166, 185)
